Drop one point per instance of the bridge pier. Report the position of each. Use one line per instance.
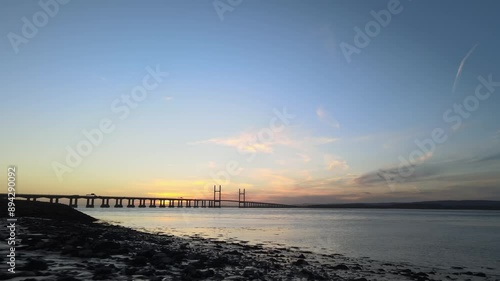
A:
(105, 203)
(131, 203)
(119, 203)
(90, 203)
(54, 199)
(152, 203)
(142, 203)
(73, 202)
(162, 203)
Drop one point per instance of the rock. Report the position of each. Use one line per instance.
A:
(250, 271)
(341, 267)
(406, 272)
(34, 265)
(103, 270)
(222, 261)
(87, 253)
(106, 246)
(191, 272)
(67, 278)
(147, 253)
(145, 271)
(311, 275)
(300, 262)
(421, 274)
(100, 277)
(139, 261)
(129, 271)
(234, 278)
(161, 260)
(207, 273)
(234, 252)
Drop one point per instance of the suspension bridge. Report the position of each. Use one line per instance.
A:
(93, 200)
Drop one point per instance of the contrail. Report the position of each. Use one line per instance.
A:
(459, 71)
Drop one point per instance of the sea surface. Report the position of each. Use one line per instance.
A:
(422, 237)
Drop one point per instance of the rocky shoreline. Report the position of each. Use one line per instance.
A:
(73, 250)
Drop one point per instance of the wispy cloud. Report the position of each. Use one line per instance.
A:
(319, 140)
(306, 158)
(491, 157)
(249, 141)
(334, 163)
(168, 98)
(243, 142)
(424, 157)
(461, 66)
(326, 117)
(456, 171)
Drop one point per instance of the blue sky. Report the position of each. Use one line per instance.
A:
(352, 121)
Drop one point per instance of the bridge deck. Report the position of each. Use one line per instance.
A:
(163, 201)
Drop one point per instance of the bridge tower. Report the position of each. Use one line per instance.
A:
(240, 196)
(217, 199)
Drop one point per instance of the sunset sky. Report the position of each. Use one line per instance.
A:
(261, 96)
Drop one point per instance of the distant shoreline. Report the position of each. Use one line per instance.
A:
(424, 205)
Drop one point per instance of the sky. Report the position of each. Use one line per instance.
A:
(293, 101)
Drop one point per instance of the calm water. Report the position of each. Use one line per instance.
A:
(423, 237)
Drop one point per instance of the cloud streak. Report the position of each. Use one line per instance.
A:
(243, 142)
(462, 63)
(248, 141)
